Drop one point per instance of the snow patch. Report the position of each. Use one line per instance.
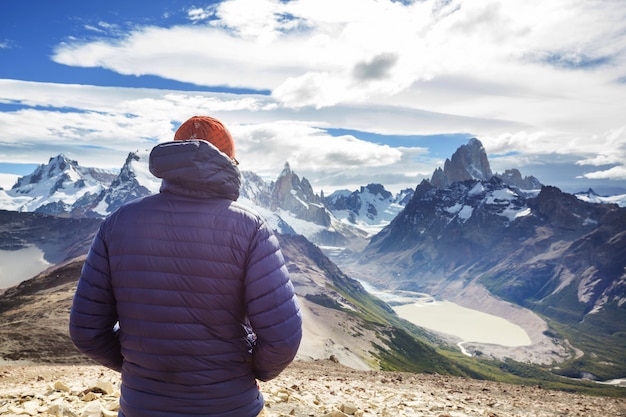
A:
(461, 211)
(500, 197)
(142, 172)
(523, 213)
(589, 222)
(477, 189)
(589, 197)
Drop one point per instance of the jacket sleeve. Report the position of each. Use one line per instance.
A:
(273, 310)
(93, 314)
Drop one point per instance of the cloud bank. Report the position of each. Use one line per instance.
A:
(529, 78)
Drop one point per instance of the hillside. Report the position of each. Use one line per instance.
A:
(42, 374)
(341, 319)
(342, 322)
(60, 238)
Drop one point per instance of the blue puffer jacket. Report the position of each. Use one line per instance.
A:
(199, 287)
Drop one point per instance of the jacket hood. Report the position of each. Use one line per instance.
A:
(195, 168)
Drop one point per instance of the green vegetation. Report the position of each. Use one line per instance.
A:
(604, 355)
(323, 300)
(406, 347)
(399, 350)
(512, 372)
(410, 355)
(600, 337)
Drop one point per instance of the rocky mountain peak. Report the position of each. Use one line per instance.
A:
(55, 187)
(371, 203)
(286, 170)
(513, 177)
(566, 211)
(469, 162)
(292, 194)
(126, 186)
(377, 190)
(58, 166)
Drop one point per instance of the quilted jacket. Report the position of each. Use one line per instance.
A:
(187, 294)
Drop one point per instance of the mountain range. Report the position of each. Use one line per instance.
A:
(467, 235)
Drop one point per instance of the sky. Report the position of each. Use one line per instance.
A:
(348, 92)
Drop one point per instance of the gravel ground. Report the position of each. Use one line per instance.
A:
(308, 388)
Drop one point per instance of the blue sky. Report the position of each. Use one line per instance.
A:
(348, 92)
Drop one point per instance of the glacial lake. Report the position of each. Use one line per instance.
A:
(20, 265)
(452, 319)
(467, 324)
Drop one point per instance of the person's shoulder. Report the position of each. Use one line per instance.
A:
(245, 210)
(130, 207)
(252, 214)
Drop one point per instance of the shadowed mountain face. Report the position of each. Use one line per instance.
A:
(548, 251)
(469, 162)
(552, 253)
(59, 238)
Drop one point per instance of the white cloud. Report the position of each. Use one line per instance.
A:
(308, 52)
(98, 126)
(615, 173)
(530, 78)
(269, 145)
(197, 14)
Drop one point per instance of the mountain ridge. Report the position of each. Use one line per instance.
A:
(549, 252)
(541, 249)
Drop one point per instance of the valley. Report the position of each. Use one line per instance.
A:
(478, 324)
(446, 317)
(539, 273)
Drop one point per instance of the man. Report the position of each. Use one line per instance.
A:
(186, 291)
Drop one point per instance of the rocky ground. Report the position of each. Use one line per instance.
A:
(42, 374)
(307, 388)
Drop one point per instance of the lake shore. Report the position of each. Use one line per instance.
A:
(500, 330)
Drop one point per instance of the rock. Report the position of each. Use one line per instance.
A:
(106, 387)
(92, 409)
(60, 386)
(348, 409)
(90, 396)
(31, 407)
(60, 410)
(335, 414)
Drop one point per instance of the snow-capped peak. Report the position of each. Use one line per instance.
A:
(55, 187)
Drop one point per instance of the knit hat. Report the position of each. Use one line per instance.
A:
(209, 129)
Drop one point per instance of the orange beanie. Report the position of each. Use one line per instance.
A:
(209, 129)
